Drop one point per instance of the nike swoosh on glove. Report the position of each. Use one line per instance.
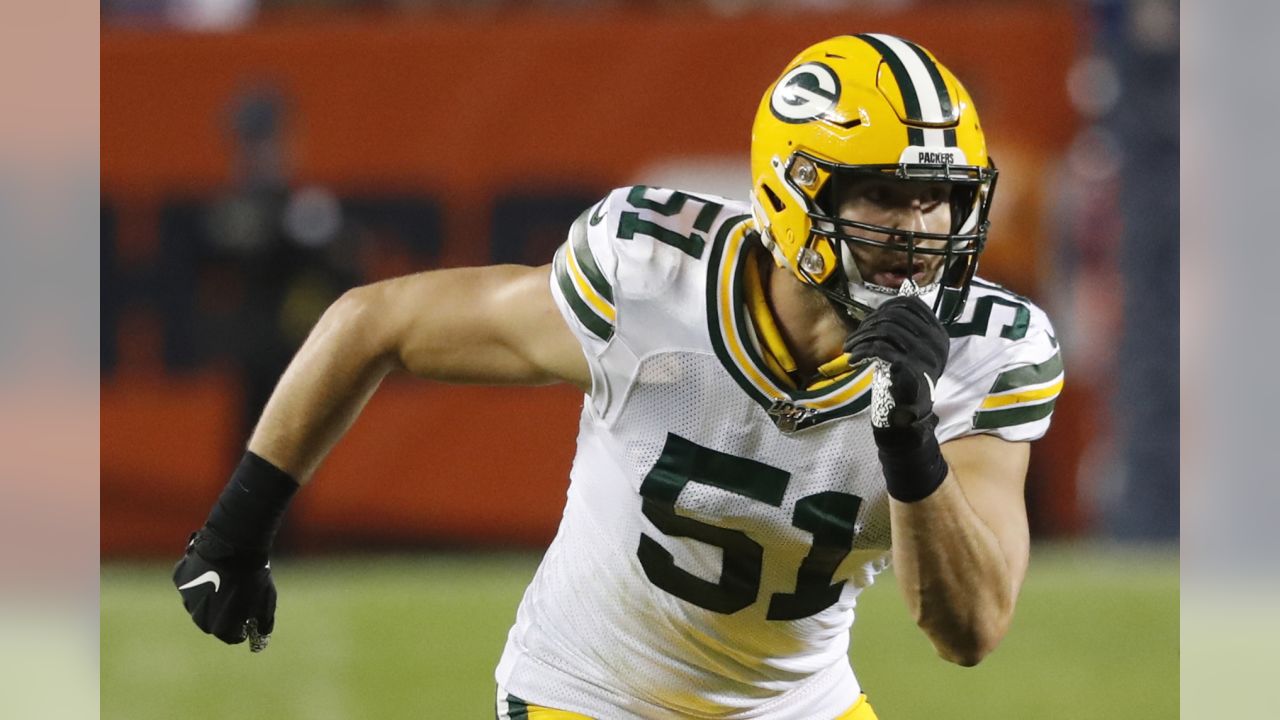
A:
(228, 594)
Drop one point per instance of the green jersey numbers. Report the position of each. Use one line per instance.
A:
(1014, 328)
(829, 516)
(631, 224)
(681, 463)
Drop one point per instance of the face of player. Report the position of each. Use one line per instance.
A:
(910, 206)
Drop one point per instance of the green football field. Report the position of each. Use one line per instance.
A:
(1096, 636)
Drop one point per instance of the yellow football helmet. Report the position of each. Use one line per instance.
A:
(859, 104)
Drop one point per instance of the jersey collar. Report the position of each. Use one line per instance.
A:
(735, 334)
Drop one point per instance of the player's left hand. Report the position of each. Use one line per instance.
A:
(909, 338)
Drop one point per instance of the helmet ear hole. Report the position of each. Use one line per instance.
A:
(822, 198)
(774, 200)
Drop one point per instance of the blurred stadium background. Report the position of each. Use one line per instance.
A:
(260, 157)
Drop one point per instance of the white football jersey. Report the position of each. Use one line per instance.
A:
(720, 526)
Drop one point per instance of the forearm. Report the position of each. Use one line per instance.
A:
(324, 388)
(316, 400)
(959, 581)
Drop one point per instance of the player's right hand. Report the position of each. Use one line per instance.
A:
(229, 594)
(909, 339)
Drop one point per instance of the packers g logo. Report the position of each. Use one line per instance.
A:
(806, 92)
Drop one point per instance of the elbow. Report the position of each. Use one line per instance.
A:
(356, 311)
(352, 307)
(967, 642)
(967, 652)
(357, 320)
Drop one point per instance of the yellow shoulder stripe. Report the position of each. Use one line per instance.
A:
(587, 292)
(537, 712)
(1024, 395)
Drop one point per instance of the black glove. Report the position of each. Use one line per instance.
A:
(229, 594)
(224, 578)
(904, 333)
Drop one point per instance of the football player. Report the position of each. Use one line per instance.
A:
(781, 397)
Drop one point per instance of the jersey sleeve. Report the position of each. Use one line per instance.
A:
(630, 280)
(584, 278)
(1002, 386)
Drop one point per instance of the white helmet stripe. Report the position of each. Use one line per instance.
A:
(926, 91)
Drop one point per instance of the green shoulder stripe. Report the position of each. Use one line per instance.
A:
(517, 709)
(593, 322)
(991, 419)
(587, 261)
(1029, 375)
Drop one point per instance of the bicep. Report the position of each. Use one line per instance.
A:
(496, 324)
(992, 474)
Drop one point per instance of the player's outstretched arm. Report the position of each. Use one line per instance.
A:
(490, 325)
(481, 325)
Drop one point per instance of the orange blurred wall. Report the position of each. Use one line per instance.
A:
(462, 108)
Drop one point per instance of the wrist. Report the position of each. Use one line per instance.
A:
(911, 460)
(251, 507)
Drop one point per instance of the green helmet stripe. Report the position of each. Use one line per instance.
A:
(910, 101)
(944, 97)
